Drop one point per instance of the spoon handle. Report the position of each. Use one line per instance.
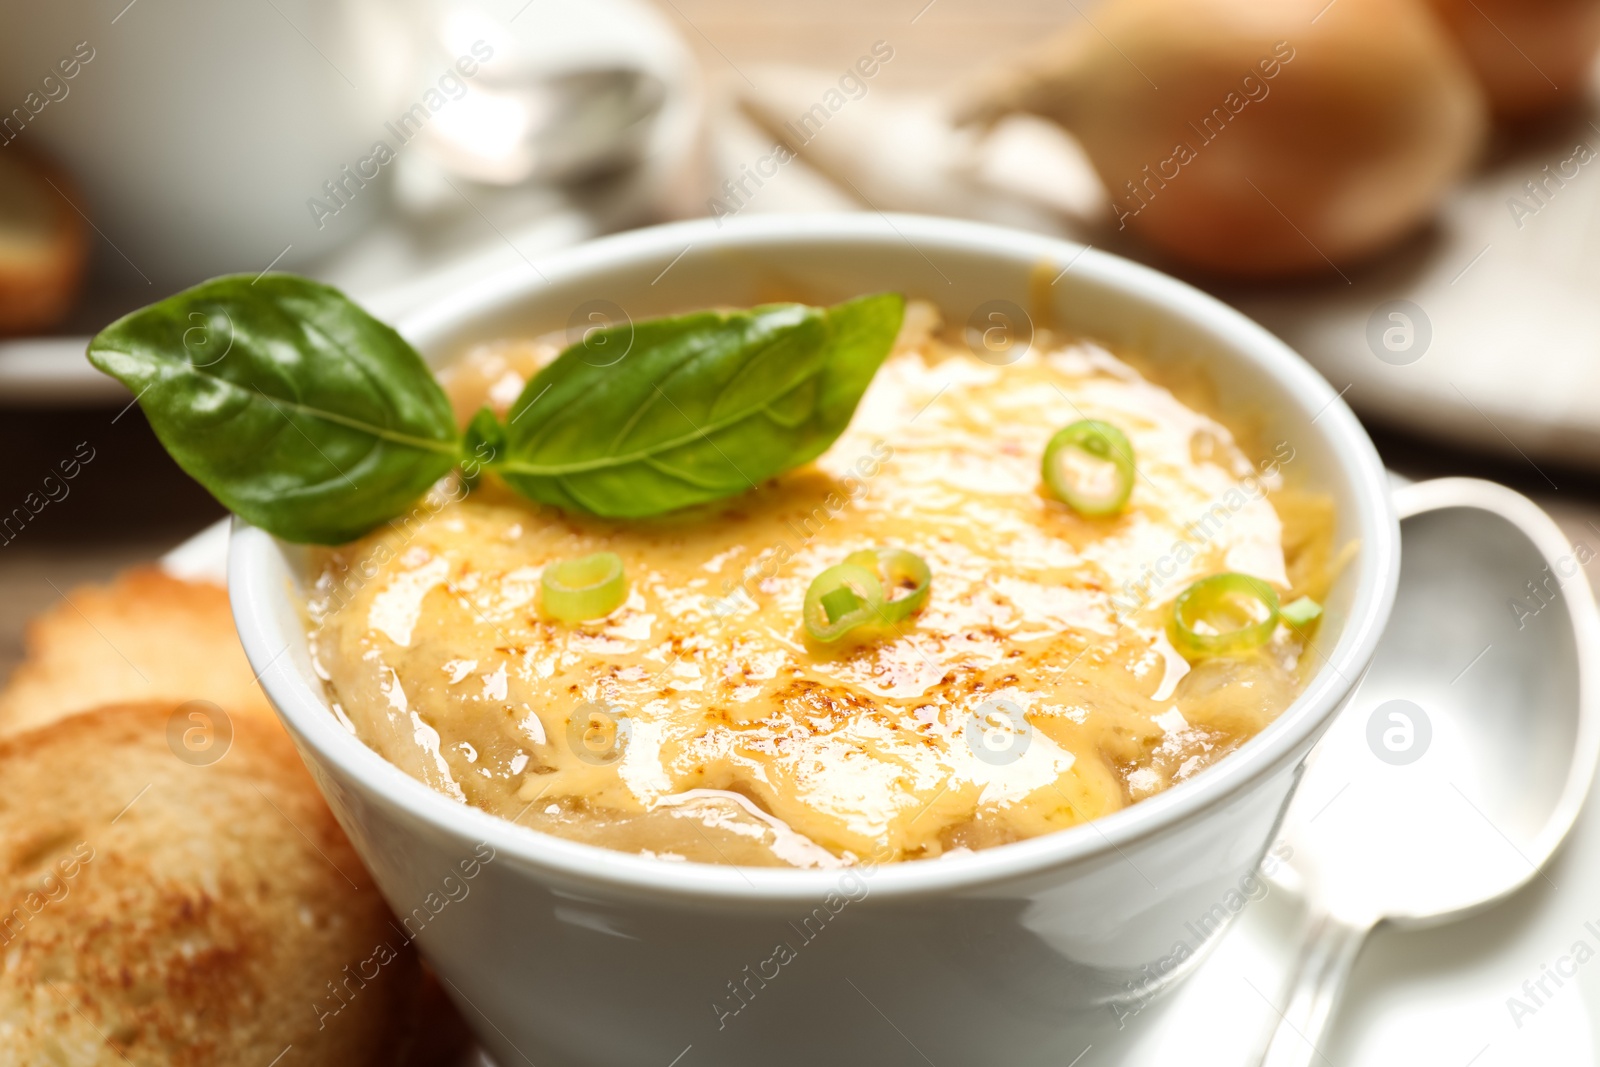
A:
(1331, 947)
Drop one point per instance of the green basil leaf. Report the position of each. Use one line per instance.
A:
(299, 411)
(699, 407)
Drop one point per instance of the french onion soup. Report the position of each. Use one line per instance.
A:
(1007, 599)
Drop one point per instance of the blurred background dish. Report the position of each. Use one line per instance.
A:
(552, 123)
(195, 130)
(379, 146)
(563, 92)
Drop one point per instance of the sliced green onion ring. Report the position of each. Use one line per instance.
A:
(577, 590)
(840, 599)
(904, 575)
(1224, 614)
(1300, 612)
(1089, 467)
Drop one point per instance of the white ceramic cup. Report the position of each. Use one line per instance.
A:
(562, 953)
(196, 131)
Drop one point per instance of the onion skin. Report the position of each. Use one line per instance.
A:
(1532, 56)
(1368, 116)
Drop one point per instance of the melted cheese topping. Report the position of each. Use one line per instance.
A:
(1036, 690)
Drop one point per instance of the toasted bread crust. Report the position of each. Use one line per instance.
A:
(153, 911)
(145, 636)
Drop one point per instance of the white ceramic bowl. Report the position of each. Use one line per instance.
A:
(561, 953)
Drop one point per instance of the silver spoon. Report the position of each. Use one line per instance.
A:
(1467, 751)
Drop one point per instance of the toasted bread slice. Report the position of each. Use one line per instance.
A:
(146, 636)
(43, 245)
(154, 910)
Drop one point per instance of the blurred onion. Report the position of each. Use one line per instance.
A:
(1531, 55)
(1257, 138)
